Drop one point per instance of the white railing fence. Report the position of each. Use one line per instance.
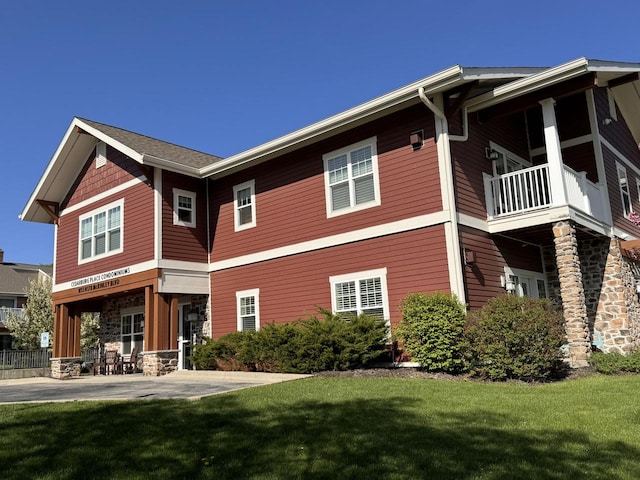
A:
(5, 312)
(10, 359)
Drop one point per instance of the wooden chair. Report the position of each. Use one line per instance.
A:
(112, 361)
(99, 364)
(131, 365)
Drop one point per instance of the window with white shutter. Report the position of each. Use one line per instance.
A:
(248, 309)
(351, 178)
(361, 292)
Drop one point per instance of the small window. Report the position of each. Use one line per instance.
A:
(363, 292)
(101, 154)
(248, 310)
(624, 190)
(132, 332)
(351, 178)
(184, 208)
(244, 205)
(101, 232)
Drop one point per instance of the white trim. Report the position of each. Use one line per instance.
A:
(528, 274)
(138, 268)
(237, 226)
(132, 312)
(108, 253)
(572, 142)
(101, 154)
(184, 193)
(507, 154)
(364, 275)
(597, 150)
(157, 213)
(621, 157)
(369, 142)
(621, 169)
(613, 113)
(255, 293)
(473, 222)
(101, 196)
(399, 226)
(184, 281)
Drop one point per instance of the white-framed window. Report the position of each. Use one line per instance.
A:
(527, 283)
(244, 205)
(7, 303)
(101, 154)
(184, 208)
(132, 330)
(507, 161)
(248, 307)
(351, 178)
(625, 194)
(101, 232)
(361, 292)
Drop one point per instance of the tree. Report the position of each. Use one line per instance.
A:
(89, 330)
(37, 318)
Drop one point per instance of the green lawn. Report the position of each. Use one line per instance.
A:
(336, 428)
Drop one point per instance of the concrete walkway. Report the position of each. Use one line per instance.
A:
(191, 385)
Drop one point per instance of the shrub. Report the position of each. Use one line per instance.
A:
(432, 331)
(516, 338)
(614, 362)
(304, 346)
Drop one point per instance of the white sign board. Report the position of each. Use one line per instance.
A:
(44, 339)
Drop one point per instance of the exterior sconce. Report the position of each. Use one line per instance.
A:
(491, 154)
(638, 286)
(416, 139)
(469, 257)
(510, 286)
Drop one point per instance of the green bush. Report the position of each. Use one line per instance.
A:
(614, 362)
(304, 346)
(516, 338)
(432, 331)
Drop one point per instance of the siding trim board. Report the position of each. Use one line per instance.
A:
(400, 226)
(102, 196)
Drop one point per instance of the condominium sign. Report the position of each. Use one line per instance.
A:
(99, 281)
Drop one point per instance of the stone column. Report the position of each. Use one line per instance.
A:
(572, 292)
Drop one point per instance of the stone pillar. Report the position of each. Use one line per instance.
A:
(618, 306)
(572, 292)
(159, 362)
(68, 367)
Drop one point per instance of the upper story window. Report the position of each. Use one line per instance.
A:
(244, 205)
(625, 194)
(362, 292)
(248, 305)
(351, 178)
(506, 162)
(184, 208)
(101, 232)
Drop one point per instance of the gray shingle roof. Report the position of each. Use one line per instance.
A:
(157, 148)
(14, 277)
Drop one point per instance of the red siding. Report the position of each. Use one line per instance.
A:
(92, 181)
(290, 203)
(137, 236)
(179, 242)
(295, 286)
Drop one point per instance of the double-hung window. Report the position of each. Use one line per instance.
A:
(625, 194)
(351, 178)
(362, 292)
(101, 232)
(184, 208)
(132, 331)
(248, 308)
(244, 201)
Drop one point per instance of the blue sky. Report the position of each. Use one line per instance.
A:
(223, 76)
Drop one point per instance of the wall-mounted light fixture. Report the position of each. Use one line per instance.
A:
(416, 139)
(469, 257)
(491, 154)
(510, 286)
(638, 286)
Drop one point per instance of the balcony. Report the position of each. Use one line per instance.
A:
(530, 197)
(4, 312)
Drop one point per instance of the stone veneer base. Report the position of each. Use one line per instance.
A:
(67, 367)
(159, 362)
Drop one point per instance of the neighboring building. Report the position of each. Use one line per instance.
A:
(471, 181)
(14, 285)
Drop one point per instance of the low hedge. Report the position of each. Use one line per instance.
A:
(305, 346)
(614, 362)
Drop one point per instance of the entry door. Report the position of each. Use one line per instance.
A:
(184, 338)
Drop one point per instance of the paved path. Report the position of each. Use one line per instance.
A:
(191, 385)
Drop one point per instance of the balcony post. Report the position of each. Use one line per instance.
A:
(554, 153)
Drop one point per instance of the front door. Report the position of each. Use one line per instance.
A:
(184, 337)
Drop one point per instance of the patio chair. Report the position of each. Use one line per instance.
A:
(131, 365)
(99, 364)
(113, 363)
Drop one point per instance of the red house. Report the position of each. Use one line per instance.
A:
(471, 181)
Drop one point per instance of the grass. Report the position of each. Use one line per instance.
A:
(335, 428)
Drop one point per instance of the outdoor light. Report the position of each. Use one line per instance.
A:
(510, 286)
(491, 154)
(637, 286)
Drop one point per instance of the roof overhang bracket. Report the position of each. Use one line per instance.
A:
(52, 209)
(454, 104)
(616, 82)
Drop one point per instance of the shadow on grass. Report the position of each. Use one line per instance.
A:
(223, 438)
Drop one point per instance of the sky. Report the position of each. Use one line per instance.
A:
(223, 76)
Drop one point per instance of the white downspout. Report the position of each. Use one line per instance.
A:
(445, 168)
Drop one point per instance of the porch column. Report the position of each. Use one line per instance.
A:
(574, 305)
(160, 355)
(66, 360)
(554, 152)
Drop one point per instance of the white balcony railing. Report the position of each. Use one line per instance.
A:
(529, 189)
(4, 312)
